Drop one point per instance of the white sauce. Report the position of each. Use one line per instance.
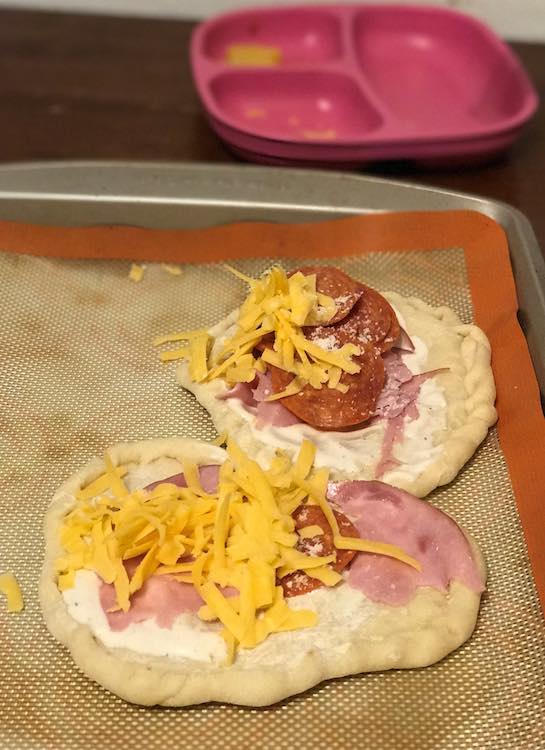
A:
(416, 451)
(346, 451)
(350, 451)
(340, 612)
(189, 637)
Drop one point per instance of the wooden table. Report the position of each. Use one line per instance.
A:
(92, 87)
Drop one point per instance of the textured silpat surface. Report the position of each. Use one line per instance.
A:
(79, 373)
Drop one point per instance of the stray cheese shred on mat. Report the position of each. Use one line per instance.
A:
(12, 591)
(136, 272)
(277, 305)
(240, 537)
(171, 269)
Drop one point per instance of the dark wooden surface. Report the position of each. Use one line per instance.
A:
(91, 87)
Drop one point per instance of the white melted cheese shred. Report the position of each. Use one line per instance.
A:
(340, 611)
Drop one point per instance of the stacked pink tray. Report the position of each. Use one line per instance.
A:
(347, 84)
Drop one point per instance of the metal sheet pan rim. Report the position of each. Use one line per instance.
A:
(24, 179)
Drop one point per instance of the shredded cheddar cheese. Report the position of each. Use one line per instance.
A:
(280, 306)
(136, 273)
(307, 532)
(240, 538)
(10, 588)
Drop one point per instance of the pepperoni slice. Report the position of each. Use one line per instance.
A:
(320, 545)
(336, 284)
(371, 322)
(330, 409)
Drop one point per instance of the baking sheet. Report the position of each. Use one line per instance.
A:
(201, 195)
(89, 329)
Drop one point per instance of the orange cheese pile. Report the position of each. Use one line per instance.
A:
(241, 537)
(280, 306)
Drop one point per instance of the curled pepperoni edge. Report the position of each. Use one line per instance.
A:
(337, 284)
(371, 323)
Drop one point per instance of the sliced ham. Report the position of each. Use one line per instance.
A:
(273, 413)
(393, 434)
(397, 404)
(401, 387)
(209, 476)
(242, 391)
(252, 396)
(270, 412)
(262, 387)
(395, 396)
(161, 597)
(387, 514)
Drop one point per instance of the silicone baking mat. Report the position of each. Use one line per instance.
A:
(79, 373)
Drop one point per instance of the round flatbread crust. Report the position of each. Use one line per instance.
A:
(432, 625)
(467, 385)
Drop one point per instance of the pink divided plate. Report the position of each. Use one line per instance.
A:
(359, 83)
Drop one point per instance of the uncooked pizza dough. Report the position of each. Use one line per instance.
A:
(417, 451)
(148, 664)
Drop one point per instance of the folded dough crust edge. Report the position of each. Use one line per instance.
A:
(431, 626)
(468, 388)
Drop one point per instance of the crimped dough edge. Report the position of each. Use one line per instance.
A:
(431, 626)
(468, 387)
